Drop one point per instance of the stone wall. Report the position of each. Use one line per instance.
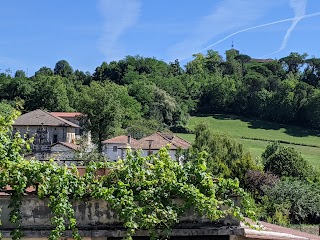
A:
(95, 219)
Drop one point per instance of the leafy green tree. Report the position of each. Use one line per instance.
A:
(293, 62)
(242, 58)
(212, 61)
(84, 78)
(50, 93)
(163, 108)
(312, 111)
(197, 65)
(299, 200)
(226, 157)
(218, 95)
(102, 110)
(17, 88)
(175, 69)
(231, 54)
(311, 73)
(107, 107)
(20, 74)
(63, 69)
(44, 71)
(286, 162)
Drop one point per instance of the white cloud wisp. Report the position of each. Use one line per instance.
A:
(299, 8)
(259, 26)
(223, 18)
(118, 16)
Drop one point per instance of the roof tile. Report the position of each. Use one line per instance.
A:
(40, 117)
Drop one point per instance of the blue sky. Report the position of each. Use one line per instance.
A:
(87, 32)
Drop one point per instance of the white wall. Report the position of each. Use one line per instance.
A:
(108, 150)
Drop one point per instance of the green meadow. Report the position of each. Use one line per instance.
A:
(256, 134)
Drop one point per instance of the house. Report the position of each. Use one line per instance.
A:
(116, 147)
(56, 129)
(64, 152)
(49, 129)
(74, 117)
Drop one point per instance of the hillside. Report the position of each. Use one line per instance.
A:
(255, 134)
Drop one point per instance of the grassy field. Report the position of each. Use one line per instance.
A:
(254, 134)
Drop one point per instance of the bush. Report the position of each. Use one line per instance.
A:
(286, 161)
(226, 157)
(298, 200)
(255, 181)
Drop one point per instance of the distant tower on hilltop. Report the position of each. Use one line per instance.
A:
(232, 53)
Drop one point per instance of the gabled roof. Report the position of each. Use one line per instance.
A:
(119, 140)
(40, 117)
(159, 140)
(66, 114)
(68, 145)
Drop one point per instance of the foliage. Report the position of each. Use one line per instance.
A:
(50, 93)
(106, 107)
(63, 69)
(226, 157)
(255, 181)
(285, 161)
(284, 91)
(142, 190)
(298, 200)
(87, 152)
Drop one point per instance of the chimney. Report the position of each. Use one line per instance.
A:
(129, 139)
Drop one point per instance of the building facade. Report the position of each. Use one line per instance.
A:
(116, 148)
(47, 130)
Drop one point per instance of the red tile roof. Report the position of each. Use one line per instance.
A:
(66, 114)
(119, 139)
(159, 140)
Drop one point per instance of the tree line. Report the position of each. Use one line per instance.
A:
(138, 95)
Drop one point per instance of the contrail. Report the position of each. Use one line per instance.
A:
(299, 8)
(260, 26)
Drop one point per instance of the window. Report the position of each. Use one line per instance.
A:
(115, 148)
(55, 138)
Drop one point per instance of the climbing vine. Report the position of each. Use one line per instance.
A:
(149, 193)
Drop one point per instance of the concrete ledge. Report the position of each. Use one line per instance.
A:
(223, 231)
(93, 215)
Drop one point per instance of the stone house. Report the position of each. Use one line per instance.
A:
(64, 152)
(48, 129)
(74, 117)
(116, 147)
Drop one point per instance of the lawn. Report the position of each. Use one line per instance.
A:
(255, 134)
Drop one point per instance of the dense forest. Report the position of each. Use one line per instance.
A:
(138, 95)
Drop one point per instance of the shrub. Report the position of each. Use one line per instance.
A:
(256, 180)
(299, 198)
(226, 157)
(285, 161)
